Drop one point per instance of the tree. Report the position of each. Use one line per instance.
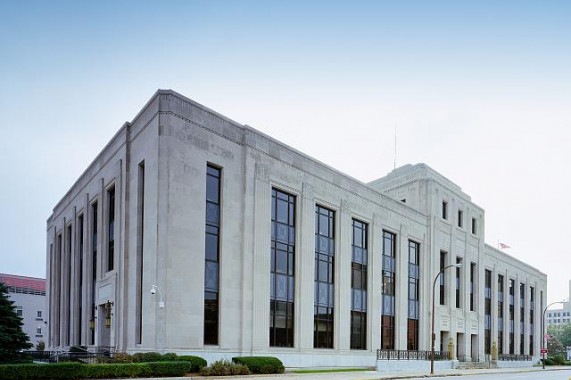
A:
(562, 333)
(12, 338)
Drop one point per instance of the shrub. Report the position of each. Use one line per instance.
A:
(549, 361)
(146, 357)
(122, 357)
(224, 368)
(197, 361)
(41, 371)
(261, 364)
(92, 371)
(559, 360)
(170, 357)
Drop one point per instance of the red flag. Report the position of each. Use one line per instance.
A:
(504, 246)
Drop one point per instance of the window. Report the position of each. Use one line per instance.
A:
(19, 311)
(140, 245)
(458, 283)
(474, 226)
(324, 277)
(521, 316)
(500, 313)
(472, 277)
(511, 316)
(359, 264)
(80, 253)
(413, 295)
(39, 314)
(444, 210)
(110, 228)
(212, 254)
(531, 319)
(388, 291)
(487, 311)
(442, 278)
(460, 218)
(93, 264)
(282, 275)
(38, 331)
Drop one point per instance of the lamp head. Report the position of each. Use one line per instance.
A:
(153, 290)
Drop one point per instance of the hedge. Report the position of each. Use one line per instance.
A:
(197, 361)
(261, 364)
(92, 371)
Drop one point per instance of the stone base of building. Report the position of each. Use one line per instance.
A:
(516, 364)
(411, 365)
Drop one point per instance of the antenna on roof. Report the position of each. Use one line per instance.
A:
(395, 161)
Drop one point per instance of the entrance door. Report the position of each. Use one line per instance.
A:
(475, 357)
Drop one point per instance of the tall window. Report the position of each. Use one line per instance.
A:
(531, 320)
(388, 291)
(460, 218)
(324, 277)
(442, 278)
(444, 210)
(521, 316)
(474, 226)
(511, 316)
(80, 278)
(500, 314)
(413, 294)
(458, 283)
(472, 277)
(140, 245)
(488, 311)
(212, 255)
(69, 290)
(111, 228)
(282, 277)
(359, 286)
(93, 265)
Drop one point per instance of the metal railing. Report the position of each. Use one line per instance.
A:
(93, 355)
(411, 355)
(515, 358)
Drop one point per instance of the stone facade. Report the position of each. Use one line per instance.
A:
(154, 173)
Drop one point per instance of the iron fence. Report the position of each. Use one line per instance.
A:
(515, 358)
(411, 355)
(93, 355)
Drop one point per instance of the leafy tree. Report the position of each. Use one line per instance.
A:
(555, 347)
(12, 338)
(562, 333)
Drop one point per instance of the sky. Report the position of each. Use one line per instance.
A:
(480, 91)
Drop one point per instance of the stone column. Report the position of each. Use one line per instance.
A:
(494, 306)
(262, 261)
(343, 255)
(516, 316)
(526, 327)
(305, 257)
(374, 286)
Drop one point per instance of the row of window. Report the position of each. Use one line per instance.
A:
(558, 314)
(459, 219)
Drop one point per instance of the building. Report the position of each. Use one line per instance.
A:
(560, 313)
(29, 296)
(192, 233)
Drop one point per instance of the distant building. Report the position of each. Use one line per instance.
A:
(29, 296)
(194, 234)
(560, 313)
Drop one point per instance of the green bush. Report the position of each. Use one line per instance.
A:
(559, 360)
(170, 357)
(92, 371)
(197, 361)
(224, 368)
(261, 364)
(549, 361)
(121, 357)
(41, 371)
(146, 357)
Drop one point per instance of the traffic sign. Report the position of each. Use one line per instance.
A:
(544, 350)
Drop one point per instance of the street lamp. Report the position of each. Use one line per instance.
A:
(154, 289)
(544, 333)
(458, 265)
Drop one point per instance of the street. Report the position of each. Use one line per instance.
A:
(536, 375)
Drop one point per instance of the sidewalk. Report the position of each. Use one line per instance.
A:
(372, 375)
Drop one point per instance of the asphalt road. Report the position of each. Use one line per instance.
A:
(537, 375)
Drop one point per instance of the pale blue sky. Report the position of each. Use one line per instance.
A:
(480, 91)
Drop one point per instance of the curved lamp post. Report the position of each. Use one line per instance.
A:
(154, 289)
(433, 291)
(543, 332)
